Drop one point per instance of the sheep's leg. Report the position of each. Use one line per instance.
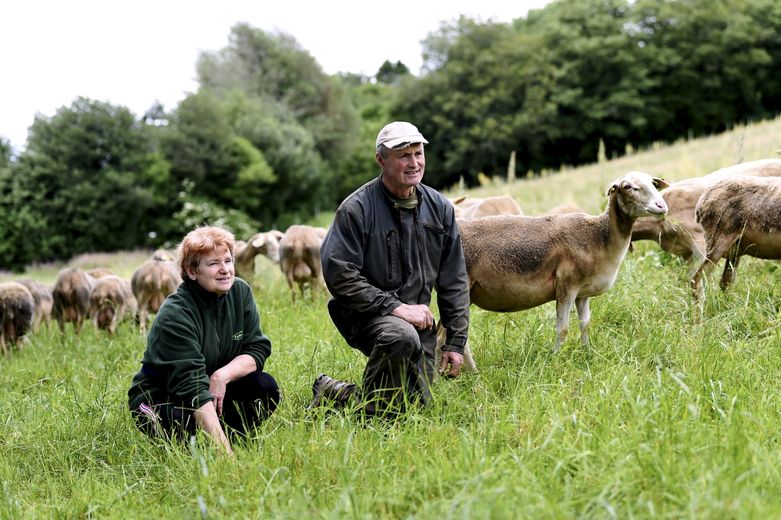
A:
(142, 317)
(584, 315)
(730, 266)
(469, 362)
(715, 251)
(563, 309)
(292, 285)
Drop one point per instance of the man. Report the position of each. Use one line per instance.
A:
(392, 241)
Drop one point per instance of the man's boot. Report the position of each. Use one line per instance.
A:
(329, 390)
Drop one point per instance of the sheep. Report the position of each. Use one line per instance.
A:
(70, 297)
(516, 263)
(110, 300)
(481, 207)
(151, 283)
(740, 216)
(162, 254)
(16, 315)
(244, 253)
(680, 234)
(299, 258)
(43, 301)
(99, 272)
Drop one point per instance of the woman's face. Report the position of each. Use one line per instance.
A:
(215, 272)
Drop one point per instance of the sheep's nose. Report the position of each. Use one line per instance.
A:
(661, 205)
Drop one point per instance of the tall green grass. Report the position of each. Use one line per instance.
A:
(662, 416)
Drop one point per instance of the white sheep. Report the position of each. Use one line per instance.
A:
(16, 314)
(740, 216)
(680, 234)
(244, 253)
(481, 207)
(71, 297)
(299, 258)
(151, 283)
(516, 263)
(111, 300)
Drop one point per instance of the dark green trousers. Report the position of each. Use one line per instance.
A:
(400, 365)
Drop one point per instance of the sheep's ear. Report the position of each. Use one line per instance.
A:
(610, 190)
(660, 183)
(459, 200)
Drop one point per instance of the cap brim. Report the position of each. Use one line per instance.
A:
(405, 140)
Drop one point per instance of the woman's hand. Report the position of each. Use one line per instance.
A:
(206, 418)
(217, 385)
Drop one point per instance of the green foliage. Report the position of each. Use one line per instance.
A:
(302, 181)
(197, 211)
(83, 172)
(391, 73)
(274, 66)
(554, 84)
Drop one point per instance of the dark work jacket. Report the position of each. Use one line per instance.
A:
(376, 256)
(195, 333)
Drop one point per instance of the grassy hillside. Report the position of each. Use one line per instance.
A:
(585, 186)
(663, 415)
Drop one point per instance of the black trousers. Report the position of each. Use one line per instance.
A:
(248, 401)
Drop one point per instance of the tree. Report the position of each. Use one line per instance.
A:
(86, 182)
(275, 67)
(391, 73)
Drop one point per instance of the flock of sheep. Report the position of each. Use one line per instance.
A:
(564, 256)
(107, 299)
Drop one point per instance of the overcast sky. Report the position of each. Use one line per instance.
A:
(132, 53)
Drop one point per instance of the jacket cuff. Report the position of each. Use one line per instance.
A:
(453, 348)
(201, 399)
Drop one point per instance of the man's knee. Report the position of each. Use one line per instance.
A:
(402, 337)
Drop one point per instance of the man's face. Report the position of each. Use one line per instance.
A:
(403, 169)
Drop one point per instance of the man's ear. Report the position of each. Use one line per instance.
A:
(378, 159)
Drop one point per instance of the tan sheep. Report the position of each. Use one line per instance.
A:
(43, 300)
(244, 253)
(740, 216)
(151, 283)
(99, 272)
(680, 234)
(71, 297)
(516, 263)
(480, 207)
(111, 300)
(299, 258)
(16, 315)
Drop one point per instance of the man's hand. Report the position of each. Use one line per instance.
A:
(418, 315)
(455, 360)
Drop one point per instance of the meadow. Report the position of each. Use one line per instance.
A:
(665, 414)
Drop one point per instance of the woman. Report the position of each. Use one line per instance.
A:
(205, 353)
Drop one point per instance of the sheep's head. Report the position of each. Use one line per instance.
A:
(267, 243)
(637, 195)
